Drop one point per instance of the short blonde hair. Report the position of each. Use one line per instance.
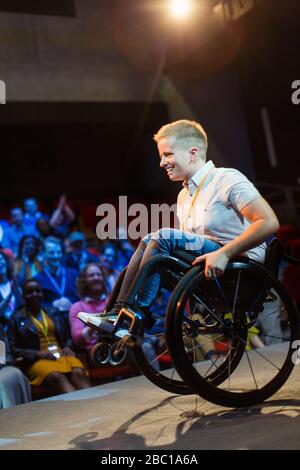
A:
(189, 132)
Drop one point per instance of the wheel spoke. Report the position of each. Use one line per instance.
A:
(258, 297)
(236, 292)
(221, 290)
(159, 356)
(198, 300)
(249, 362)
(271, 336)
(256, 351)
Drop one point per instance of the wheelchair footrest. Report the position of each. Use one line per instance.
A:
(107, 326)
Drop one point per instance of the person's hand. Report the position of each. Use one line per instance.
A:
(62, 202)
(66, 351)
(215, 263)
(45, 355)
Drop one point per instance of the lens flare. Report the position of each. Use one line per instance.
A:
(180, 9)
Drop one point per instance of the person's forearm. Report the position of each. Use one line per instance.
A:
(69, 213)
(53, 220)
(256, 234)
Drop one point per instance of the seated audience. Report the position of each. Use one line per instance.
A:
(91, 289)
(39, 336)
(15, 231)
(14, 386)
(27, 264)
(78, 257)
(10, 294)
(58, 282)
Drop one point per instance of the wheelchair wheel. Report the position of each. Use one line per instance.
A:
(226, 311)
(154, 361)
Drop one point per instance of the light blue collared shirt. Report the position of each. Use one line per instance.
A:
(193, 183)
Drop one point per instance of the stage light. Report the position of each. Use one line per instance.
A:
(180, 9)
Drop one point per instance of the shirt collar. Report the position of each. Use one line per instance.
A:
(193, 183)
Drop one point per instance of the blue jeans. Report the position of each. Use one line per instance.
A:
(170, 240)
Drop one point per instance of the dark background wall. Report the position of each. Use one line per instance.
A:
(267, 65)
(87, 89)
(47, 7)
(86, 150)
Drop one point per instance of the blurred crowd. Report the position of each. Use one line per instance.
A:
(49, 272)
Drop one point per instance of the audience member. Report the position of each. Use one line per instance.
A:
(3, 224)
(15, 231)
(27, 264)
(78, 257)
(10, 294)
(44, 229)
(31, 212)
(108, 260)
(58, 282)
(39, 336)
(124, 249)
(62, 218)
(14, 386)
(91, 290)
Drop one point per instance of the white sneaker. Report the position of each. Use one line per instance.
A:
(94, 319)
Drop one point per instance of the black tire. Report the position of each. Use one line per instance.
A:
(245, 288)
(163, 379)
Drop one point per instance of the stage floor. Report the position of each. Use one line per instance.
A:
(134, 414)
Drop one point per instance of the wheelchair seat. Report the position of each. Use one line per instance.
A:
(274, 254)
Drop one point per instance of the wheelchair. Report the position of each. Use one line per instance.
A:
(204, 316)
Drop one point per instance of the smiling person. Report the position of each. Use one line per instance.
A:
(92, 291)
(58, 282)
(221, 213)
(40, 337)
